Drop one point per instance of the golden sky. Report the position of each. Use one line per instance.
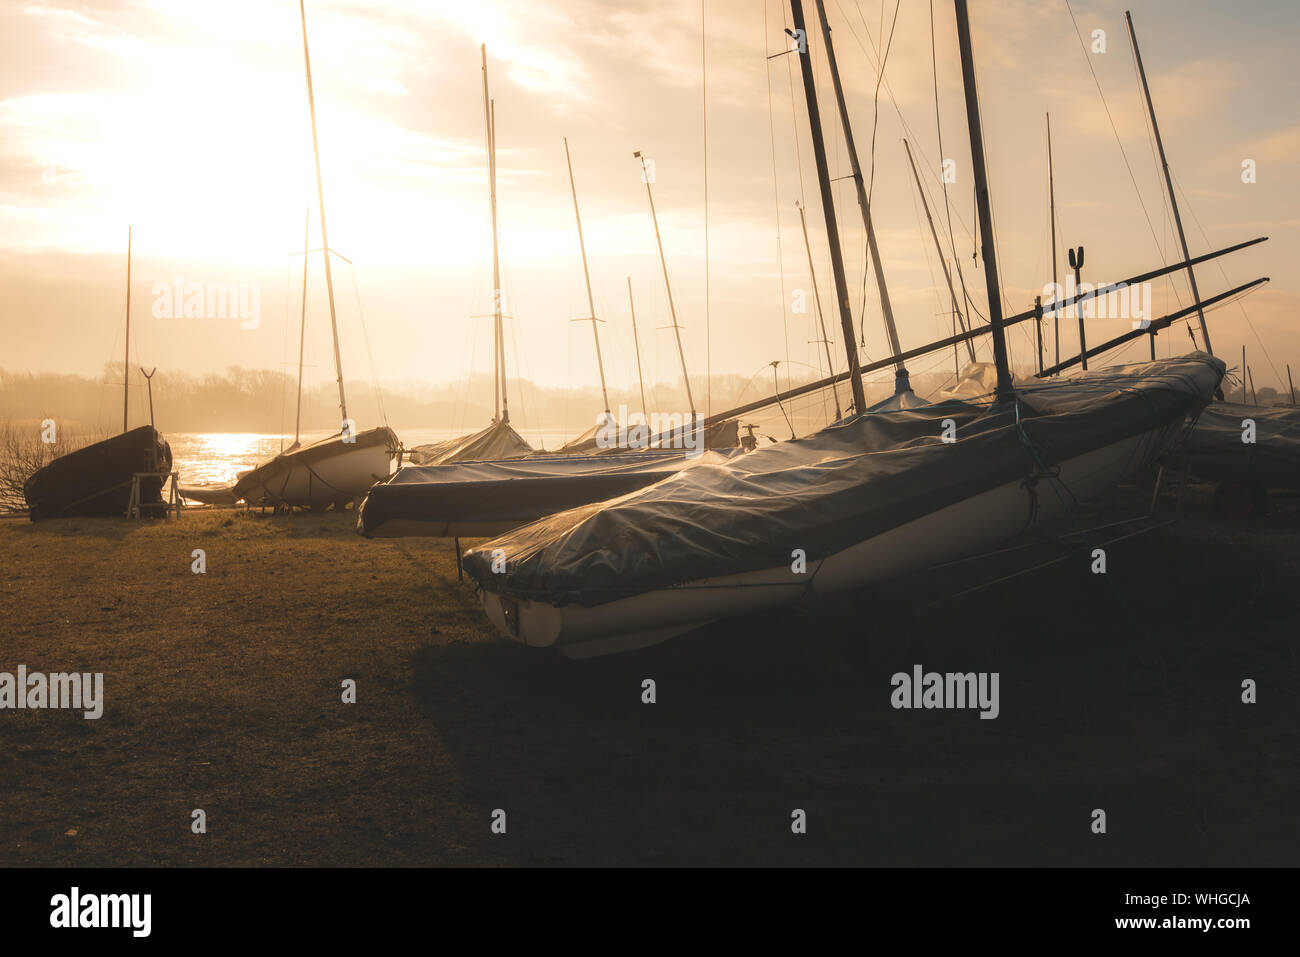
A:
(188, 121)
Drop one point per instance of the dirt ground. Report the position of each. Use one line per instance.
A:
(223, 693)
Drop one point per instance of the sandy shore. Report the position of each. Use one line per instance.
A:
(222, 692)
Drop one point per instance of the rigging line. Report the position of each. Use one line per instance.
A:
(1224, 272)
(880, 78)
(947, 206)
(776, 197)
(1166, 219)
(704, 111)
(1133, 179)
(365, 335)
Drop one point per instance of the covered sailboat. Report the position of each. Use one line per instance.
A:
(498, 440)
(1247, 449)
(861, 502)
(478, 499)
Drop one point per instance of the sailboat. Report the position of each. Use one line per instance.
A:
(334, 470)
(861, 502)
(498, 440)
(97, 479)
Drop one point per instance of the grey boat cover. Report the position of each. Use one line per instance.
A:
(835, 488)
(497, 441)
(427, 499)
(1215, 449)
(720, 435)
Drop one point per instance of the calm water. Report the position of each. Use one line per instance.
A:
(215, 458)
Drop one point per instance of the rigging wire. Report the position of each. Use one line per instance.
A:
(1224, 272)
(776, 197)
(365, 335)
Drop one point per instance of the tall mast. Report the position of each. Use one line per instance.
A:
(302, 326)
(126, 353)
(1051, 193)
(324, 235)
(821, 317)
(891, 331)
(828, 208)
(672, 310)
(586, 275)
(501, 404)
(636, 341)
(1005, 390)
(947, 275)
(1169, 182)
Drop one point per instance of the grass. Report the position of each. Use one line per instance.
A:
(223, 693)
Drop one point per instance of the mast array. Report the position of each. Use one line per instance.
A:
(126, 353)
(586, 275)
(1005, 390)
(677, 329)
(1169, 182)
(1051, 193)
(302, 325)
(947, 275)
(817, 299)
(501, 403)
(636, 341)
(891, 331)
(324, 234)
(828, 205)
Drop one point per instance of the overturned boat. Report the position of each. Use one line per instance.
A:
(859, 503)
(97, 479)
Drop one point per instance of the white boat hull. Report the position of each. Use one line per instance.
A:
(963, 528)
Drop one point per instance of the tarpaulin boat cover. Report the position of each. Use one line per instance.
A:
(720, 435)
(1215, 448)
(835, 488)
(497, 441)
(428, 499)
(96, 480)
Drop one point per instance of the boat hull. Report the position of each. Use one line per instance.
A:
(96, 480)
(963, 528)
(328, 472)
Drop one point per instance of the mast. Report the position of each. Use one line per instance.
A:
(947, 275)
(586, 275)
(1005, 391)
(1169, 182)
(1290, 382)
(677, 330)
(126, 353)
(1051, 192)
(302, 327)
(324, 235)
(821, 317)
(501, 408)
(900, 373)
(828, 209)
(636, 341)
